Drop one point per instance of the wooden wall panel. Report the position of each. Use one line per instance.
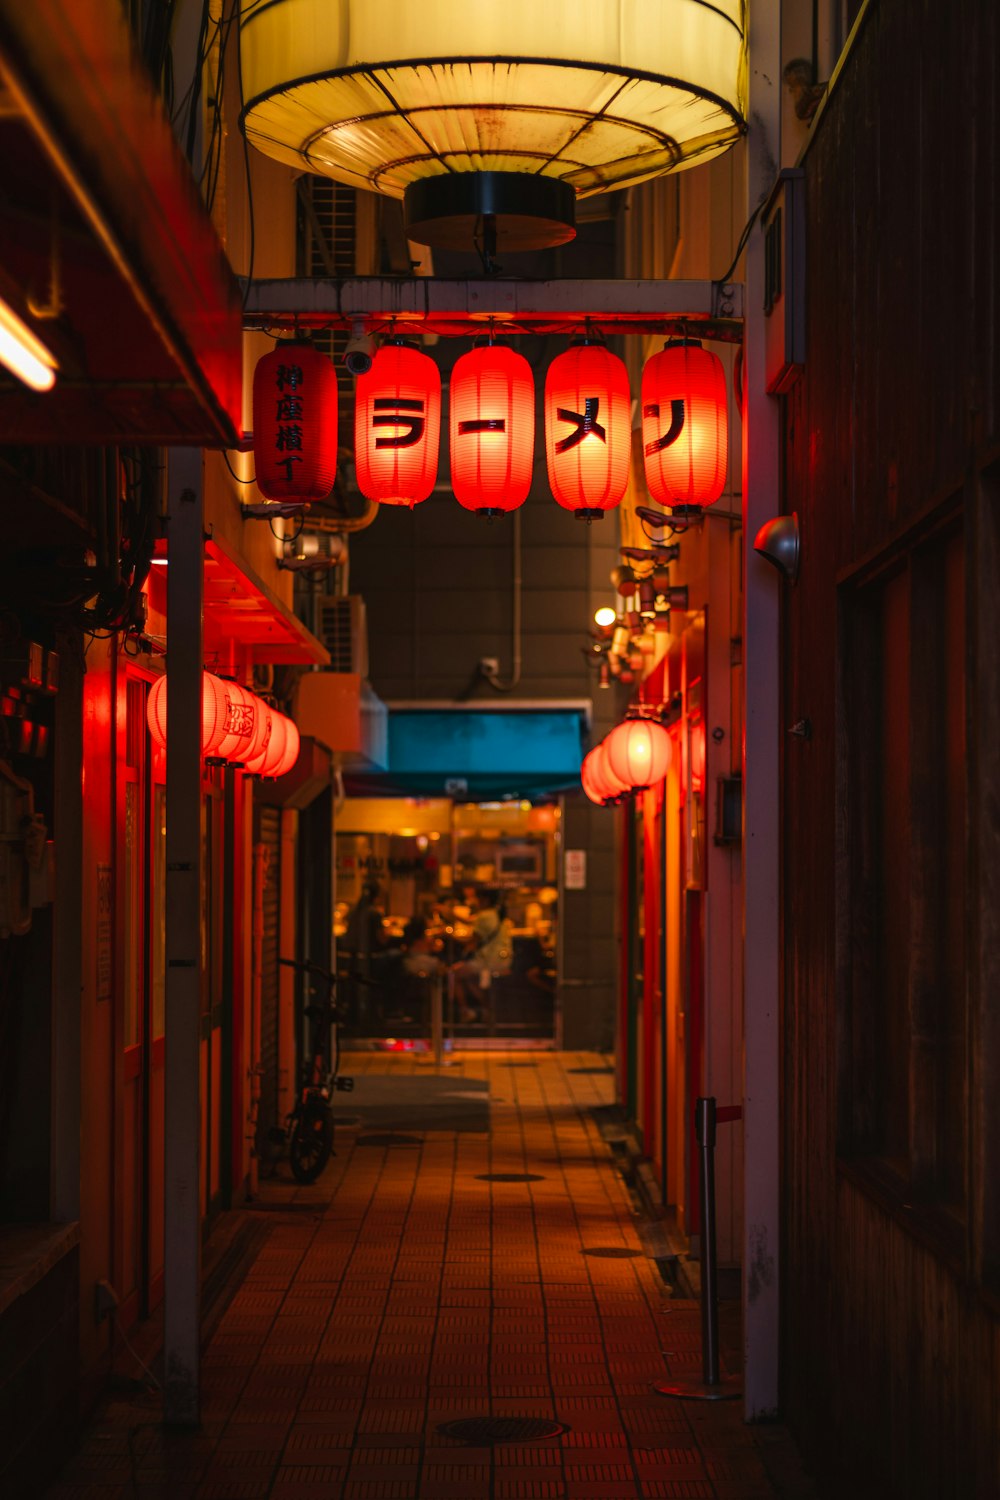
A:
(890, 1349)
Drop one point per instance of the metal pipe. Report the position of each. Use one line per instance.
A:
(704, 1120)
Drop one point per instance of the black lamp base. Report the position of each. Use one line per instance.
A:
(520, 210)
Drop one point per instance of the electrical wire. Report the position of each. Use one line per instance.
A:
(233, 472)
(741, 246)
(246, 162)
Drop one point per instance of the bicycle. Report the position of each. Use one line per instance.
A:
(308, 1129)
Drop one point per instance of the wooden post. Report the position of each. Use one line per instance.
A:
(184, 969)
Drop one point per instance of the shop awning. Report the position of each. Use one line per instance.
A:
(147, 324)
(242, 612)
(478, 752)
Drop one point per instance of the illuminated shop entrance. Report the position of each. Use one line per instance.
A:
(462, 895)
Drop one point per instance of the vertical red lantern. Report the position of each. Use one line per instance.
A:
(295, 423)
(588, 429)
(397, 425)
(492, 424)
(639, 752)
(685, 424)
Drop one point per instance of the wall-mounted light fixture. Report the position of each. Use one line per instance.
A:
(778, 542)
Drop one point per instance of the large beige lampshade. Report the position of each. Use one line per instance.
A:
(560, 98)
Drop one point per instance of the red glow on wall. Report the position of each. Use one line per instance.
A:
(492, 428)
(639, 753)
(685, 424)
(397, 426)
(588, 429)
(295, 423)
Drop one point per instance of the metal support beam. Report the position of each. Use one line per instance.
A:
(761, 806)
(427, 304)
(184, 977)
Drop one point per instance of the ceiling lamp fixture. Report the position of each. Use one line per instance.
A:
(295, 423)
(588, 429)
(685, 425)
(492, 420)
(23, 353)
(397, 425)
(490, 120)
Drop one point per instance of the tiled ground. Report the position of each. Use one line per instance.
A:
(404, 1291)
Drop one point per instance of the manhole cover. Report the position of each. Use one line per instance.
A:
(509, 1177)
(387, 1138)
(590, 1070)
(480, 1431)
(613, 1252)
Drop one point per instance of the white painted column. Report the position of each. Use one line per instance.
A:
(184, 976)
(761, 806)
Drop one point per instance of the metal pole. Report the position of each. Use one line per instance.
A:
(713, 1386)
(704, 1124)
(437, 1020)
(183, 979)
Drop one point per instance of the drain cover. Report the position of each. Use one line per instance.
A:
(613, 1252)
(481, 1431)
(519, 1065)
(590, 1070)
(387, 1138)
(509, 1177)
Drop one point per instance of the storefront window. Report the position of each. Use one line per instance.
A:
(466, 895)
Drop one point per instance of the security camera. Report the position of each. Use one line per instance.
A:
(360, 350)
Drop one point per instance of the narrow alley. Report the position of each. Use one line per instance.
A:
(471, 1253)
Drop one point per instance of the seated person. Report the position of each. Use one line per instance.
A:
(419, 957)
(489, 955)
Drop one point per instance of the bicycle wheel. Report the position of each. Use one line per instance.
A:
(311, 1145)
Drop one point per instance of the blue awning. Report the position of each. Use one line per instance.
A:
(478, 753)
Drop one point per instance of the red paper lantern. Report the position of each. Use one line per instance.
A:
(588, 429)
(295, 423)
(492, 421)
(228, 717)
(685, 424)
(606, 778)
(276, 745)
(588, 779)
(290, 751)
(397, 426)
(639, 752)
(257, 753)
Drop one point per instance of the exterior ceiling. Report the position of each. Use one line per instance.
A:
(241, 611)
(148, 338)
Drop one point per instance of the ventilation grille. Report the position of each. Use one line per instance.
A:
(328, 230)
(344, 632)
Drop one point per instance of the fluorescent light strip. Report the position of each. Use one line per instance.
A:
(25, 355)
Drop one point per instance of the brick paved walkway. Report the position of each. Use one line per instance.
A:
(405, 1290)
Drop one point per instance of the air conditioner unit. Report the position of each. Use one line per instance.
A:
(344, 633)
